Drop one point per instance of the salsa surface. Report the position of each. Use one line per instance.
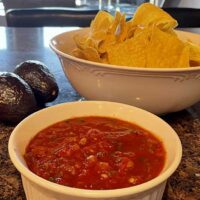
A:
(95, 153)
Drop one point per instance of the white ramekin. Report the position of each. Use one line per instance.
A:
(37, 188)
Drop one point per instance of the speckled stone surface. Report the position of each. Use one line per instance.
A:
(10, 181)
(184, 184)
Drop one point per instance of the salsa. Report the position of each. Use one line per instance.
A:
(95, 153)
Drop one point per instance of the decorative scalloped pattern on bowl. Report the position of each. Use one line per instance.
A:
(143, 89)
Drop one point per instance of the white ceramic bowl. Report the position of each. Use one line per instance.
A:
(159, 91)
(37, 188)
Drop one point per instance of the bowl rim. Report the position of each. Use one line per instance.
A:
(98, 194)
(116, 67)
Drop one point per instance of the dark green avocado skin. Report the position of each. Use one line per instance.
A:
(16, 98)
(41, 80)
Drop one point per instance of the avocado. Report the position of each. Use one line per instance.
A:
(17, 99)
(41, 80)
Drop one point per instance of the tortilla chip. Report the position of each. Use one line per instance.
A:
(80, 40)
(114, 24)
(106, 44)
(102, 21)
(131, 52)
(91, 54)
(78, 53)
(166, 51)
(194, 54)
(104, 37)
(148, 14)
(122, 29)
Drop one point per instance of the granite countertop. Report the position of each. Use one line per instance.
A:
(184, 184)
(10, 181)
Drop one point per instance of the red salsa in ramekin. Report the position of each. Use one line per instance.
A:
(96, 153)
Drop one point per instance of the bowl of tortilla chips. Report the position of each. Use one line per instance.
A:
(143, 61)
